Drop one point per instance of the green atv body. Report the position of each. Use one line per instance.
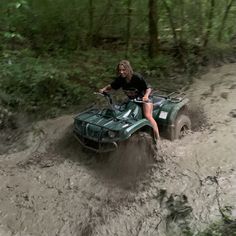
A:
(102, 130)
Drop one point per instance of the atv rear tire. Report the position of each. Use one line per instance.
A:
(182, 126)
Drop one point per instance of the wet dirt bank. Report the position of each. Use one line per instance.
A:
(54, 187)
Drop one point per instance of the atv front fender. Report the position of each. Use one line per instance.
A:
(137, 126)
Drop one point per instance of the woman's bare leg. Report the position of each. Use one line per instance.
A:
(147, 110)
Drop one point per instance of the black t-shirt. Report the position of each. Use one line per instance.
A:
(137, 84)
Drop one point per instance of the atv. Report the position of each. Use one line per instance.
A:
(104, 129)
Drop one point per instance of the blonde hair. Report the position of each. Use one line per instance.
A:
(127, 66)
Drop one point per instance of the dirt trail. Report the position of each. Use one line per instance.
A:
(54, 187)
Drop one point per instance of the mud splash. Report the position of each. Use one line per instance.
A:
(51, 186)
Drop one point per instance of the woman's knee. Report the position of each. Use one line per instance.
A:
(147, 107)
(148, 116)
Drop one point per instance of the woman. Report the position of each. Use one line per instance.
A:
(134, 86)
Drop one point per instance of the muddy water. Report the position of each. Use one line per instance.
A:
(54, 187)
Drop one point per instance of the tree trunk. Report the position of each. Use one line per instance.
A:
(209, 25)
(101, 21)
(128, 26)
(90, 30)
(200, 19)
(172, 23)
(182, 19)
(177, 44)
(226, 13)
(153, 29)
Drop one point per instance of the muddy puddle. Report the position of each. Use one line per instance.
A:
(52, 186)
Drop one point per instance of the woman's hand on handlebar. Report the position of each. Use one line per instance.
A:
(101, 90)
(105, 90)
(145, 99)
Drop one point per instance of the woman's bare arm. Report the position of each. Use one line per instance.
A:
(106, 89)
(147, 93)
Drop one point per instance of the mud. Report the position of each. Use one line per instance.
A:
(51, 186)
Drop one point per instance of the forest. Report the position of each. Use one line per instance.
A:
(55, 53)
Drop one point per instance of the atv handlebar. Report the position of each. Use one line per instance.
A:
(139, 100)
(106, 95)
(102, 94)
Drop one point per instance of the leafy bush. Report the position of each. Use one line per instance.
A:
(33, 84)
(6, 118)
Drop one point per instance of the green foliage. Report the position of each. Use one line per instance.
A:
(52, 84)
(55, 53)
(6, 118)
(35, 84)
(51, 25)
(220, 229)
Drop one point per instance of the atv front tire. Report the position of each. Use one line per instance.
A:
(134, 156)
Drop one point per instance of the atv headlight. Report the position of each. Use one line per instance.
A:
(111, 134)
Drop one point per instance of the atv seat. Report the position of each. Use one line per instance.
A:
(157, 101)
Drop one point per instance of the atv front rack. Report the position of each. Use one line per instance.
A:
(98, 147)
(94, 143)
